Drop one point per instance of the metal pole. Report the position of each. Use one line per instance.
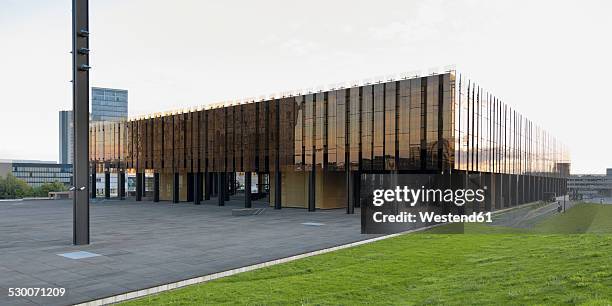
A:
(80, 106)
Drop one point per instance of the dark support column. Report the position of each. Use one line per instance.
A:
(215, 184)
(507, 190)
(544, 186)
(143, 179)
(542, 189)
(486, 183)
(236, 184)
(190, 189)
(527, 188)
(549, 188)
(278, 178)
(226, 188)
(531, 188)
(502, 188)
(121, 184)
(499, 187)
(538, 187)
(175, 188)
(510, 193)
(311, 190)
(552, 185)
(517, 190)
(513, 190)
(536, 190)
(357, 189)
(260, 182)
(93, 182)
(197, 188)
(207, 185)
(221, 188)
(247, 189)
(232, 186)
(200, 191)
(156, 187)
(212, 183)
(107, 185)
(521, 189)
(139, 183)
(350, 193)
(549, 184)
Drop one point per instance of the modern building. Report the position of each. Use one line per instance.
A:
(108, 104)
(590, 185)
(66, 137)
(315, 147)
(36, 173)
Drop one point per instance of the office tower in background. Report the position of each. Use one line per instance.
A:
(108, 104)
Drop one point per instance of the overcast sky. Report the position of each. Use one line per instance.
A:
(550, 60)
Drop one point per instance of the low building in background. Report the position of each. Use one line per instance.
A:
(586, 186)
(36, 173)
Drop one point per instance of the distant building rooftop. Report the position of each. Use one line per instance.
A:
(27, 161)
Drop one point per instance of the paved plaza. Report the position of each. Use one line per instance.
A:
(145, 244)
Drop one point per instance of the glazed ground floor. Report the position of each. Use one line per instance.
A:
(325, 189)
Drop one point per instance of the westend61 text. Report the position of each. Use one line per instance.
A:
(428, 217)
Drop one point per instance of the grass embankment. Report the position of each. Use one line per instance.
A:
(511, 266)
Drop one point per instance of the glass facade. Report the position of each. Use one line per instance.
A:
(492, 137)
(433, 124)
(109, 104)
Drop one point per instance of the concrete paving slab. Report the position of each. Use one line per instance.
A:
(146, 244)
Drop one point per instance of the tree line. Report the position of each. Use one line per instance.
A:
(14, 188)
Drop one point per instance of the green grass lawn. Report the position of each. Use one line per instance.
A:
(508, 266)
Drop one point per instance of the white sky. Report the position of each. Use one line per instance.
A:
(550, 60)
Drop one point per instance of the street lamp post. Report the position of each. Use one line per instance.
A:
(80, 106)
